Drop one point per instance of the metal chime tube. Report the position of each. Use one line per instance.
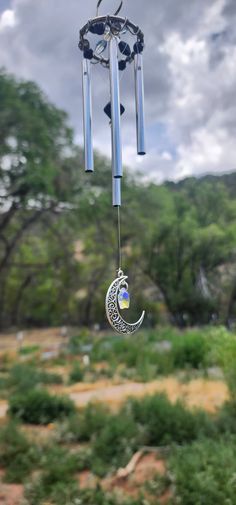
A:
(115, 110)
(116, 192)
(87, 115)
(139, 99)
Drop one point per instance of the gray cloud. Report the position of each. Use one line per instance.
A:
(190, 77)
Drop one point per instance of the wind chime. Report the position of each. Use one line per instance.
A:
(114, 53)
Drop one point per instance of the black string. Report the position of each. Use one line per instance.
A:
(119, 239)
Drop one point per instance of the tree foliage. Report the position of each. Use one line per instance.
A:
(58, 231)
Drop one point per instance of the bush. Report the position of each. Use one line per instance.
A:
(29, 349)
(116, 443)
(165, 422)
(91, 421)
(225, 420)
(58, 465)
(62, 494)
(39, 407)
(189, 349)
(3, 383)
(204, 472)
(59, 493)
(84, 425)
(58, 484)
(17, 455)
(147, 358)
(23, 377)
(224, 354)
(158, 485)
(76, 374)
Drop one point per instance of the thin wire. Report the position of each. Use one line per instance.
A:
(119, 239)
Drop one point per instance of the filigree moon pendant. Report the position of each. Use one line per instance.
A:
(112, 308)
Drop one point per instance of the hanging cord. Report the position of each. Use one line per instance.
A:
(117, 11)
(119, 240)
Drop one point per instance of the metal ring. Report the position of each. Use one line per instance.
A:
(110, 20)
(116, 13)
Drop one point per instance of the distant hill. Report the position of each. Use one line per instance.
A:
(228, 180)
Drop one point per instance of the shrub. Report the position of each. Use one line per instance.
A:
(57, 482)
(39, 407)
(146, 356)
(117, 350)
(3, 383)
(17, 455)
(116, 443)
(29, 349)
(58, 465)
(59, 493)
(76, 374)
(165, 422)
(84, 425)
(99, 497)
(23, 377)
(92, 420)
(76, 341)
(204, 472)
(224, 354)
(74, 345)
(50, 378)
(225, 420)
(158, 485)
(62, 494)
(189, 349)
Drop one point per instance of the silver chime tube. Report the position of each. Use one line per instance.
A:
(139, 99)
(116, 192)
(87, 116)
(115, 109)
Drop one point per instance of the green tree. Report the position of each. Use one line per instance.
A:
(36, 175)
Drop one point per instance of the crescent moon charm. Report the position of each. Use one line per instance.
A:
(112, 310)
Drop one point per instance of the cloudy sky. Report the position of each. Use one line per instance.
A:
(190, 77)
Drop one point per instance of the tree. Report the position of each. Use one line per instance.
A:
(183, 254)
(36, 175)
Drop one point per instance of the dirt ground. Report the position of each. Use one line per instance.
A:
(130, 483)
(11, 494)
(203, 393)
(198, 393)
(43, 338)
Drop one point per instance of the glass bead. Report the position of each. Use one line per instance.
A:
(124, 299)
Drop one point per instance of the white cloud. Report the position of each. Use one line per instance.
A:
(7, 19)
(202, 111)
(208, 152)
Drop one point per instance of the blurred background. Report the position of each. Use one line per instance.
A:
(174, 441)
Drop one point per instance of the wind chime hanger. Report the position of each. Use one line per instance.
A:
(116, 13)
